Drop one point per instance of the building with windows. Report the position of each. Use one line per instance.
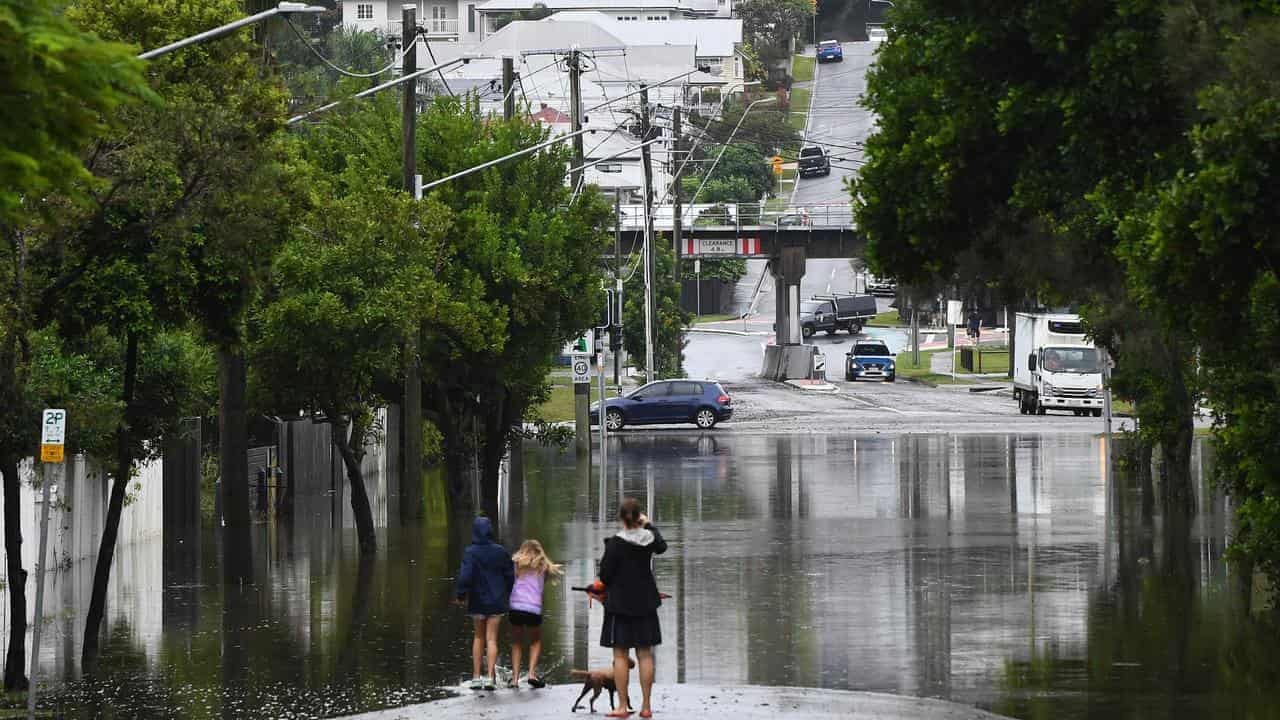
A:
(470, 21)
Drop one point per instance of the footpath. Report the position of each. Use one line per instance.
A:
(703, 702)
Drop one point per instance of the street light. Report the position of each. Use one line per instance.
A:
(725, 146)
(284, 8)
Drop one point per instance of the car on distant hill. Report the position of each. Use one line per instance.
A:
(830, 51)
(814, 161)
(701, 402)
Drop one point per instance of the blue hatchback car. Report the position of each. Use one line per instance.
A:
(701, 402)
(830, 51)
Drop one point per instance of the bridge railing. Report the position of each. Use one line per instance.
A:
(751, 216)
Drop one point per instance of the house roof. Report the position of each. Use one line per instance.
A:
(551, 116)
(713, 37)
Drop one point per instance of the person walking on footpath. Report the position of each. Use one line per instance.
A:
(632, 601)
(532, 568)
(485, 580)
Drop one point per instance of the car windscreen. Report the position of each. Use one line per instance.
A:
(870, 349)
(1080, 360)
(811, 152)
(829, 44)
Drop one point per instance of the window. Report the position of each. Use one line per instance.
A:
(609, 167)
(686, 388)
(471, 18)
(364, 11)
(628, 18)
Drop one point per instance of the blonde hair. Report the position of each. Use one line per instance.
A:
(532, 558)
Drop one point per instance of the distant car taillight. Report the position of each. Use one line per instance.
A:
(723, 400)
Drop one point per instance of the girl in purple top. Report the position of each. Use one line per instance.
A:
(532, 568)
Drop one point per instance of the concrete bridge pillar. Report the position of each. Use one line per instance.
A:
(788, 358)
(788, 271)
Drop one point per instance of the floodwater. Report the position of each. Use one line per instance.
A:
(998, 571)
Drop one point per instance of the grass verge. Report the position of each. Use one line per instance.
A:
(559, 405)
(799, 108)
(888, 318)
(714, 318)
(802, 68)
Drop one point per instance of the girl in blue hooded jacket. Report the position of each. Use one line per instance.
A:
(485, 580)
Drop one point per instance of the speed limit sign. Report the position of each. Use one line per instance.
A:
(581, 369)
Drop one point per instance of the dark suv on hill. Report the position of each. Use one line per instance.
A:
(701, 402)
(814, 161)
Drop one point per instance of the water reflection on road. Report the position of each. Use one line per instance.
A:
(1000, 571)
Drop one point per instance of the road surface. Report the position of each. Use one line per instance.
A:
(838, 122)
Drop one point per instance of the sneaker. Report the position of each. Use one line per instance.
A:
(489, 684)
(477, 683)
(536, 681)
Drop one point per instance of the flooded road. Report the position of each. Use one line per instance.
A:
(1000, 571)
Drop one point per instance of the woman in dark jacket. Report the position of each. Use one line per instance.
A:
(631, 606)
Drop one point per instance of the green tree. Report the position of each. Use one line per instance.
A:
(189, 212)
(770, 26)
(59, 88)
(536, 255)
(1201, 248)
(670, 319)
(360, 276)
(1002, 158)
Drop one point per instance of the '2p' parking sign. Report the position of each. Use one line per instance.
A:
(53, 435)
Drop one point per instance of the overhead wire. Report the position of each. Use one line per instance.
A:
(419, 34)
(342, 71)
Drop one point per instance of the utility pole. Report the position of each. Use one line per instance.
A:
(508, 88)
(411, 467)
(650, 275)
(677, 228)
(617, 281)
(574, 62)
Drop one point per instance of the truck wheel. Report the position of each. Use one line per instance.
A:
(806, 330)
(855, 328)
(1097, 412)
(1040, 409)
(832, 331)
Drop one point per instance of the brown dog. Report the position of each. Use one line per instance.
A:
(597, 681)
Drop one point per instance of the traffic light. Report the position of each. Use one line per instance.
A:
(581, 345)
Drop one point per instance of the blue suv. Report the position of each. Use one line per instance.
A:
(870, 360)
(830, 51)
(701, 402)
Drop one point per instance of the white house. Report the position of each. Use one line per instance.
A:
(470, 21)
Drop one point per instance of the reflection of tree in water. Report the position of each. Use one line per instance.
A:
(1164, 638)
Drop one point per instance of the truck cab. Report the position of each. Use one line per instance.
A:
(1056, 367)
(833, 313)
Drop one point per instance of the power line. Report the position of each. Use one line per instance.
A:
(349, 73)
(427, 42)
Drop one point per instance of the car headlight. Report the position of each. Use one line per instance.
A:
(1048, 389)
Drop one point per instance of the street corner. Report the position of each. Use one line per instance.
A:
(809, 385)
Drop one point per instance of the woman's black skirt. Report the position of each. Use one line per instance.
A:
(630, 631)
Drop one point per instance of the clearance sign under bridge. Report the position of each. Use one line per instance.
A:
(722, 247)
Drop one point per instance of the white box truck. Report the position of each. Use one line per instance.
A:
(1055, 366)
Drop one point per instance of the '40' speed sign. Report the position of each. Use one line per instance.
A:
(581, 369)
